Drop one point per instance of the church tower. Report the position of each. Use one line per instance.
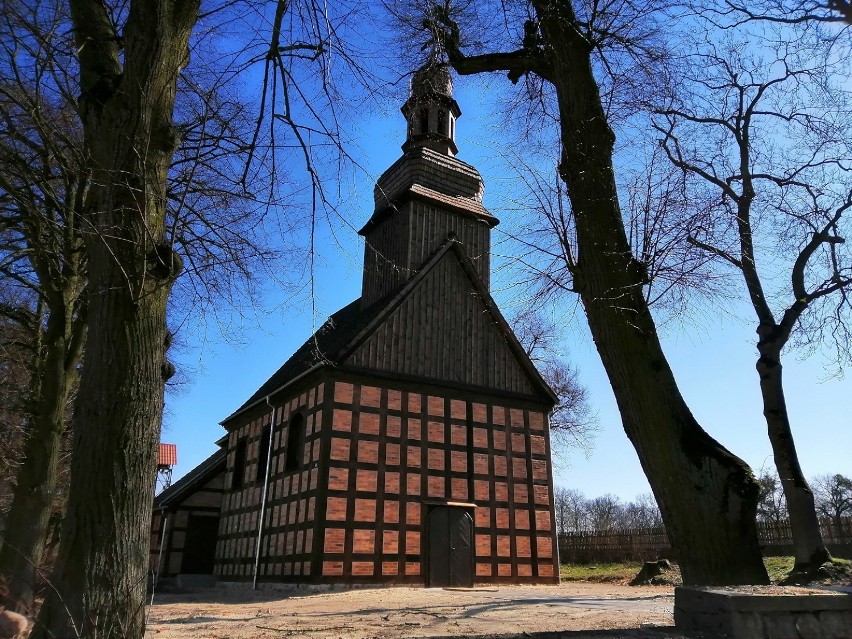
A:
(425, 195)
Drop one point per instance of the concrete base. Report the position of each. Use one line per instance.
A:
(194, 582)
(765, 612)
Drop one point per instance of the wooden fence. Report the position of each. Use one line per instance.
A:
(643, 544)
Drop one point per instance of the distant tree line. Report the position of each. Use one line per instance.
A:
(832, 497)
(575, 512)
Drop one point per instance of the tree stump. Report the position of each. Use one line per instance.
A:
(651, 571)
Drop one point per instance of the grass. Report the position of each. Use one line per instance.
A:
(613, 572)
(839, 571)
(778, 567)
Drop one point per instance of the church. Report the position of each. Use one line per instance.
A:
(407, 440)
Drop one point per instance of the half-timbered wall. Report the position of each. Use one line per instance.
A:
(394, 454)
(287, 544)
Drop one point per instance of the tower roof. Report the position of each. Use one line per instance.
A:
(432, 79)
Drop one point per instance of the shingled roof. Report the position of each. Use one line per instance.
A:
(321, 348)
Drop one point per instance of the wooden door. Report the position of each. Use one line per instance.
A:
(450, 548)
(199, 549)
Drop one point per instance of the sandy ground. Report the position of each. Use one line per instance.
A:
(229, 612)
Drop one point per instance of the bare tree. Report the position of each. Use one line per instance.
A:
(563, 45)
(571, 511)
(763, 143)
(642, 513)
(129, 58)
(44, 183)
(772, 507)
(605, 512)
(787, 11)
(44, 186)
(573, 424)
(833, 496)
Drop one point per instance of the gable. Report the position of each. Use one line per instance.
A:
(445, 330)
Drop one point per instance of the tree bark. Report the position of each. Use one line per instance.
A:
(98, 585)
(808, 546)
(708, 497)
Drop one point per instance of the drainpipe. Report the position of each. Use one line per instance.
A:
(263, 495)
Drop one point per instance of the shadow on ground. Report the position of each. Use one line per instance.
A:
(657, 632)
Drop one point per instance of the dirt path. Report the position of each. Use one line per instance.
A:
(391, 613)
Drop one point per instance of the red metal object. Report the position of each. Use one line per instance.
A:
(167, 455)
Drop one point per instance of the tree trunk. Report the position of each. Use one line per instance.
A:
(708, 497)
(809, 549)
(126, 105)
(35, 483)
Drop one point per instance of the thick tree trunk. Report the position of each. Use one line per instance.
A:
(98, 587)
(35, 483)
(126, 108)
(707, 496)
(809, 549)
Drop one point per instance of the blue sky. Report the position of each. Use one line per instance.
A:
(712, 355)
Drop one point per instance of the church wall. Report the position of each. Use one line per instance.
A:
(396, 453)
(287, 544)
(169, 527)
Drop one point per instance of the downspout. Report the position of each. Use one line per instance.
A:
(263, 495)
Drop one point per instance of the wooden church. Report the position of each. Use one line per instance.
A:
(406, 442)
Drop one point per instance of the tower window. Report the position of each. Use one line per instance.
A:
(424, 120)
(263, 454)
(295, 443)
(239, 465)
(442, 122)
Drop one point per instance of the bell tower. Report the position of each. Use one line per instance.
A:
(425, 196)
(431, 111)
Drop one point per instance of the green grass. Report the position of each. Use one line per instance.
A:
(600, 572)
(778, 568)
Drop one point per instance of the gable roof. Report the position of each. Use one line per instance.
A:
(198, 476)
(479, 308)
(338, 339)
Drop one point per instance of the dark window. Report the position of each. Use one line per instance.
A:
(295, 443)
(424, 120)
(263, 455)
(442, 122)
(239, 465)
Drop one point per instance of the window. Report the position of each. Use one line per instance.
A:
(295, 443)
(263, 454)
(424, 120)
(239, 465)
(442, 122)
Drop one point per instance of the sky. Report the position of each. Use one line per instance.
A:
(712, 356)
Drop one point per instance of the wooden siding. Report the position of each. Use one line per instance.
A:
(402, 243)
(443, 331)
(430, 226)
(386, 263)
